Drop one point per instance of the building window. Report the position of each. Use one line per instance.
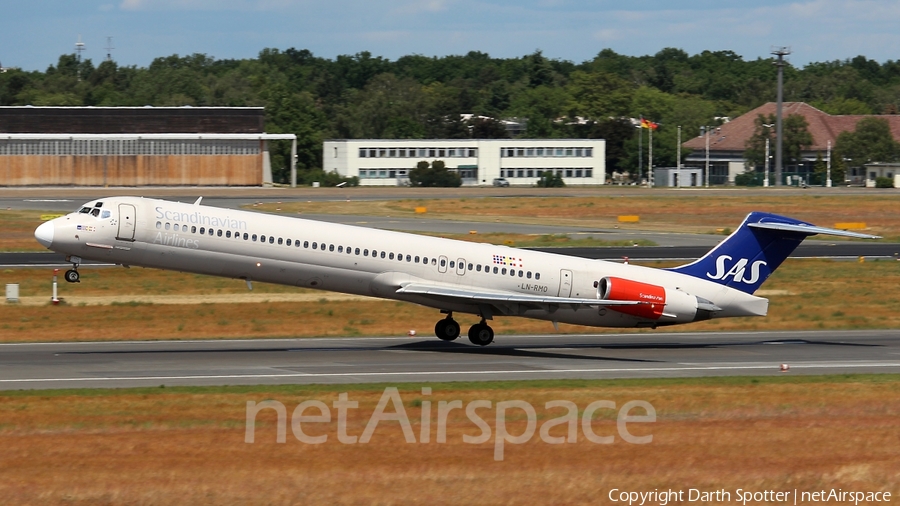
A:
(589, 152)
(473, 152)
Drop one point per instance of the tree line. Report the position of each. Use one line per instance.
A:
(415, 96)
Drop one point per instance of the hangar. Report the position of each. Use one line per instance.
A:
(136, 146)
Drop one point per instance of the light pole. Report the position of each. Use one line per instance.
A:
(707, 156)
(766, 165)
(780, 53)
(828, 166)
(678, 163)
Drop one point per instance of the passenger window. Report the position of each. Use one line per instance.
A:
(210, 231)
(253, 237)
(331, 247)
(537, 275)
(443, 262)
(202, 230)
(340, 249)
(262, 238)
(246, 236)
(417, 259)
(365, 252)
(478, 268)
(425, 260)
(528, 274)
(288, 242)
(219, 232)
(168, 225)
(322, 246)
(158, 224)
(433, 261)
(305, 244)
(382, 254)
(357, 251)
(228, 234)
(280, 241)
(391, 256)
(521, 274)
(315, 245)
(452, 264)
(193, 230)
(495, 270)
(271, 239)
(408, 258)
(470, 267)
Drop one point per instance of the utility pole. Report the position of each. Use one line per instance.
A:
(828, 165)
(780, 52)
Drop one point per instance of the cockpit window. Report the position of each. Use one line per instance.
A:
(95, 212)
(98, 204)
(105, 214)
(85, 210)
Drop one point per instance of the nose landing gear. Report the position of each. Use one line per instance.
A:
(72, 275)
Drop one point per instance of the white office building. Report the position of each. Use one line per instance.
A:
(383, 162)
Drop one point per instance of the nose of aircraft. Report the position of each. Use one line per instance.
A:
(44, 234)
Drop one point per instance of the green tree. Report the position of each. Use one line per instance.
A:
(550, 180)
(870, 142)
(435, 175)
(796, 138)
(599, 95)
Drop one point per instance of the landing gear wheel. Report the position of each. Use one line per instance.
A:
(481, 334)
(72, 276)
(446, 329)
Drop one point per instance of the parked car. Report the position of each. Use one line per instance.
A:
(500, 181)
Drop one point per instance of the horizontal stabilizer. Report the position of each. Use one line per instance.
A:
(811, 230)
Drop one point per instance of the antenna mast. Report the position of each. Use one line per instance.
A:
(79, 47)
(109, 48)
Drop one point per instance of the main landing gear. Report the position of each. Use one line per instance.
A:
(448, 330)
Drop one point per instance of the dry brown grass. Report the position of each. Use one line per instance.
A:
(809, 294)
(155, 446)
(684, 212)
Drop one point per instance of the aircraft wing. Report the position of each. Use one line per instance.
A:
(505, 300)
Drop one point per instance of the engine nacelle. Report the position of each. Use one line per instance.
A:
(665, 305)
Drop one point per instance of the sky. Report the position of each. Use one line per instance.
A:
(36, 32)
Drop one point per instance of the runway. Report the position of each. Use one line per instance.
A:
(425, 359)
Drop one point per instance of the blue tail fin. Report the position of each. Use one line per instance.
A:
(747, 258)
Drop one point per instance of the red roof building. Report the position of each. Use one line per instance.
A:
(728, 142)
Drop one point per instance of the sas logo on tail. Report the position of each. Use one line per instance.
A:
(736, 272)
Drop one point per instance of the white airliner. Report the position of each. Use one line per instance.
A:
(445, 274)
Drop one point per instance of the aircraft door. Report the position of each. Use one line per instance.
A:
(126, 222)
(565, 283)
(442, 264)
(460, 266)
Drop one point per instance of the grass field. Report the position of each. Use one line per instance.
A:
(804, 294)
(187, 445)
